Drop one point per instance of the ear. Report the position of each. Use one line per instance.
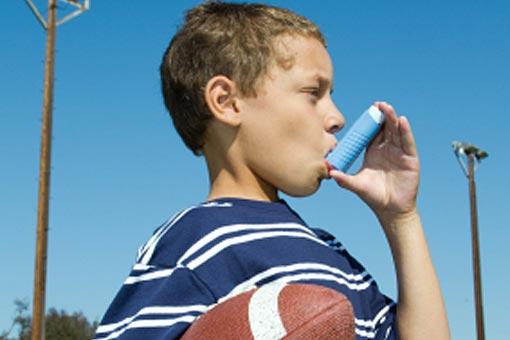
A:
(221, 98)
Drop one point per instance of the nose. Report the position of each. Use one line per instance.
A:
(334, 120)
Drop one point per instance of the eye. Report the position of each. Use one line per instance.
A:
(315, 92)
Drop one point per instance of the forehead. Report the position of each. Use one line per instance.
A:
(302, 56)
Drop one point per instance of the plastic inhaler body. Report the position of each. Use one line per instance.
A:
(356, 139)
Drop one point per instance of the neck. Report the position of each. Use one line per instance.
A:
(241, 182)
(229, 175)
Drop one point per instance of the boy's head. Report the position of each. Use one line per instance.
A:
(249, 86)
(230, 39)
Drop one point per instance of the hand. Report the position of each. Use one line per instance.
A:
(388, 180)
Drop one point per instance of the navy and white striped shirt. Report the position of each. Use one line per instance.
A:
(213, 251)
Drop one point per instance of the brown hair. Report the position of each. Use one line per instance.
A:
(217, 38)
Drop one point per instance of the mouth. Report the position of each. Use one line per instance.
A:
(328, 166)
(325, 169)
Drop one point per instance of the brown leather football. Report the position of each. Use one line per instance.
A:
(278, 310)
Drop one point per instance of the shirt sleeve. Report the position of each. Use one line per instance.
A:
(155, 303)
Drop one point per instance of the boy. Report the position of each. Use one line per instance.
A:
(248, 87)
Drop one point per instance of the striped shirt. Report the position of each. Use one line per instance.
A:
(208, 253)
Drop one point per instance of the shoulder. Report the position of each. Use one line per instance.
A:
(177, 234)
(207, 221)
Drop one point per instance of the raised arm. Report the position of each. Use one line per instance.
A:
(388, 183)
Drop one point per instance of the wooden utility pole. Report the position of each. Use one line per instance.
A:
(44, 180)
(472, 154)
(41, 249)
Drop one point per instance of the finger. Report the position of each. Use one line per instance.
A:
(391, 130)
(378, 140)
(344, 180)
(406, 134)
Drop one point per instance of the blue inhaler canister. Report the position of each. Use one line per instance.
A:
(356, 139)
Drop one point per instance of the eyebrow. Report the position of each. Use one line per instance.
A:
(323, 82)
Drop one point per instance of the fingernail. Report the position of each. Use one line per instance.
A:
(335, 172)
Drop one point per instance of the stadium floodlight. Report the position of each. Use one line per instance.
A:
(79, 8)
(470, 154)
(463, 151)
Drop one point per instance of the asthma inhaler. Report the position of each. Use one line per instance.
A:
(356, 139)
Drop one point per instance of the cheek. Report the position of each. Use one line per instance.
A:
(288, 159)
(289, 140)
(296, 125)
(283, 141)
(304, 135)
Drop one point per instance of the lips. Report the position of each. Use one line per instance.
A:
(329, 166)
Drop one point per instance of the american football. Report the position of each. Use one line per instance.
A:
(276, 311)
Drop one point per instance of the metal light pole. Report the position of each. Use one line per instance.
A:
(45, 159)
(472, 154)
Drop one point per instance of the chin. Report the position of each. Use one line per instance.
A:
(306, 183)
(304, 189)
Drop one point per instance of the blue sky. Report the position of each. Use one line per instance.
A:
(119, 169)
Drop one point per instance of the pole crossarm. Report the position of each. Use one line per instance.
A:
(80, 7)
